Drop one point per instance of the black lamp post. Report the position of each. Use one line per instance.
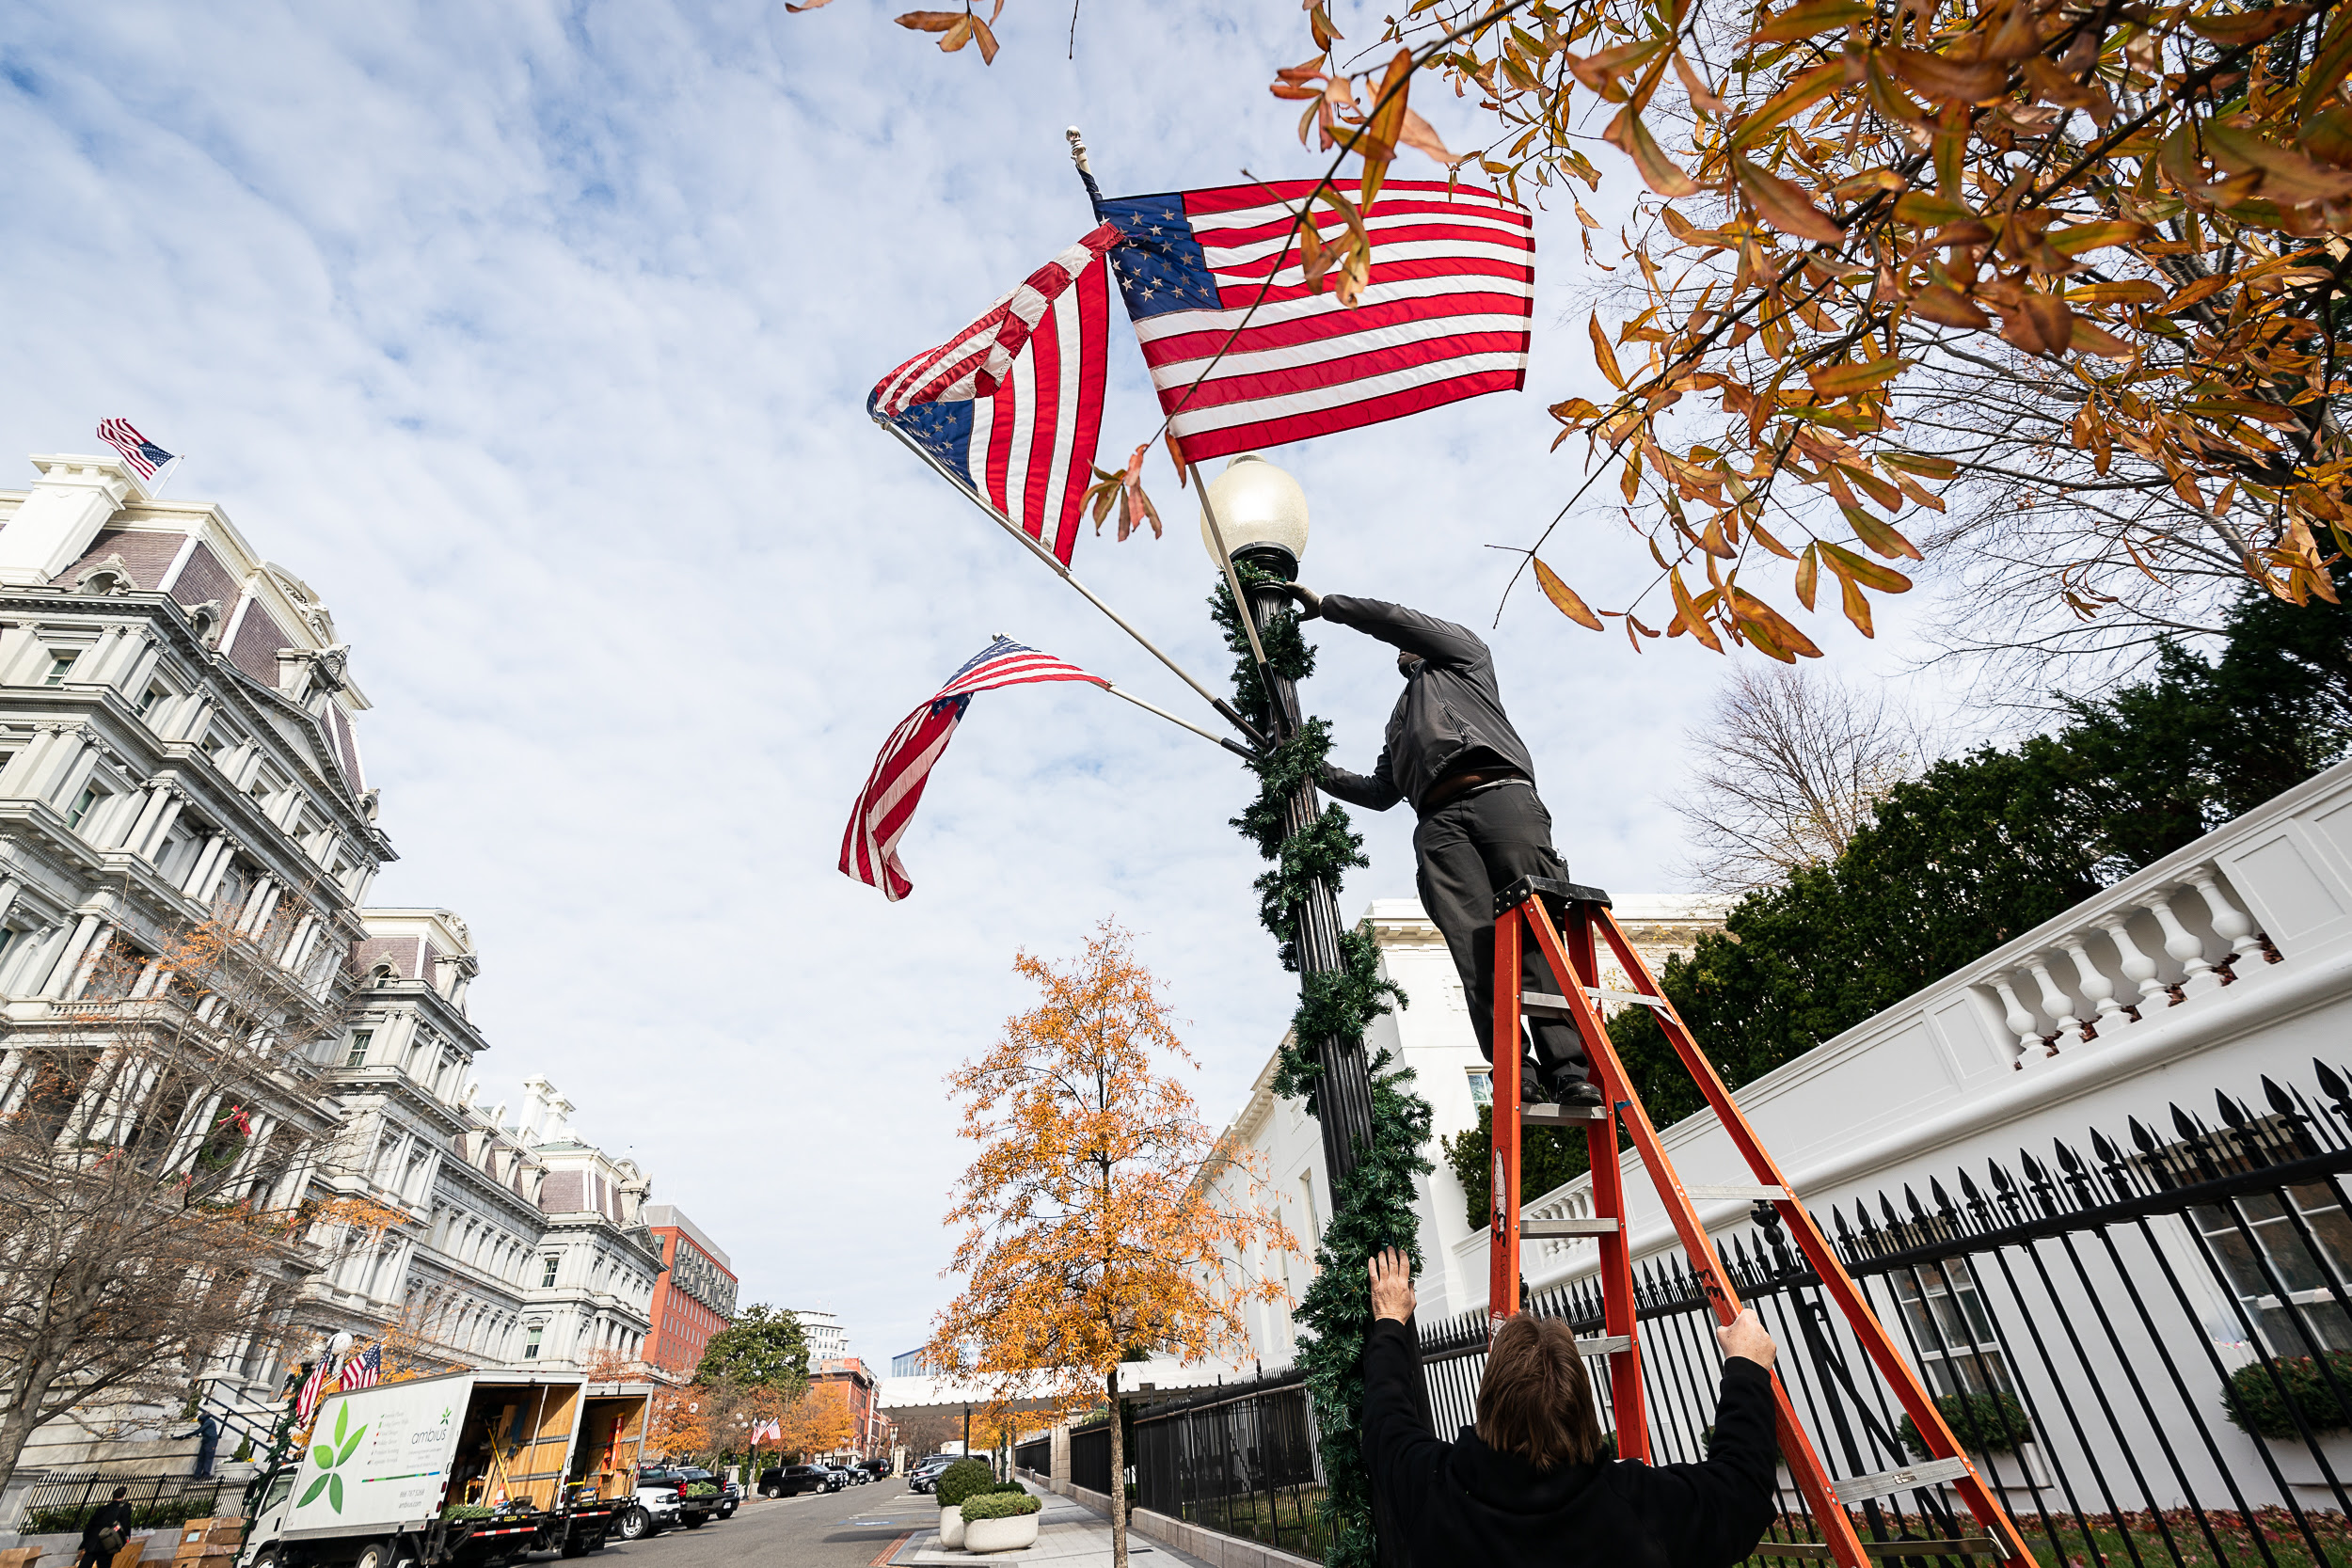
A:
(1258, 512)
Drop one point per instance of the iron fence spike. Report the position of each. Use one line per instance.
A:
(2185, 1124)
(2109, 1154)
(2331, 1083)
(2142, 1137)
(1943, 1198)
(2232, 1113)
(2068, 1160)
(2280, 1099)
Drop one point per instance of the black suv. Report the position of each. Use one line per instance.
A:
(790, 1481)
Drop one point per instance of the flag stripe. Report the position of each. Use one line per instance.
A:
(1012, 405)
(894, 787)
(1244, 352)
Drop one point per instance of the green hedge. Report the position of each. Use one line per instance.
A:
(148, 1515)
(2254, 1404)
(458, 1511)
(1983, 1422)
(702, 1489)
(1011, 1488)
(1000, 1505)
(965, 1477)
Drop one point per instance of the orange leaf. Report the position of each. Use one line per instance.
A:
(930, 22)
(1771, 632)
(1417, 134)
(1688, 617)
(1809, 575)
(1660, 173)
(1783, 204)
(1605, 355)
(1948, 307)
(1846, 380)
(1377, 140)
(1564, 596)
(1950, 81)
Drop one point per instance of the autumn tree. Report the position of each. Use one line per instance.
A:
(818, 1421)
(1785, 771)
(1097, 1220)
(155, 1132)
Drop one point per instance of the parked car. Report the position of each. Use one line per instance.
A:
(841, 1477)
(696, 1491)
(730, 1499)
(790, 1481)
(658, 1508)
(925, 1476)
(878, 1468)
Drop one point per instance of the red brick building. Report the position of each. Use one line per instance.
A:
(870, 1427)
(695, 1296)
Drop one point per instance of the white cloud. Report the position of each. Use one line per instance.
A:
(536, 339)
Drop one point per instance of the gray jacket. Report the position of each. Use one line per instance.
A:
(1450, 717)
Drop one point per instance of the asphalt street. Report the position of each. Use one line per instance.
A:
(855, 1527)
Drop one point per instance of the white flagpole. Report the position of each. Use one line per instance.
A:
(1064, 573)
(1231, 745)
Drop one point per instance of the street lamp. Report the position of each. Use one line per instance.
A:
(1258, 514)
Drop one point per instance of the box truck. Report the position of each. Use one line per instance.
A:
(464, 1470)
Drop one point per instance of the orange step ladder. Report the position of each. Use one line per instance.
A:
(1524, 911)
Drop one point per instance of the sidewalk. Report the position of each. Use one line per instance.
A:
(1068, 1536)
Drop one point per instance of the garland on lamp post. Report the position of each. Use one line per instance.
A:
(1372, 1192)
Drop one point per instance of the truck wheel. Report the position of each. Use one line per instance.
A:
(635, 1524)
(267, 1557)
(375, 1554)
(696, 1521)
(595, 1541)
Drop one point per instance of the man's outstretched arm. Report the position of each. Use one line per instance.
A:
(1423, 636)
(1376, 793)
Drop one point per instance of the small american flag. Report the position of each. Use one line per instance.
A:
(145, 457)
(869, 846)
(1012, 404)
(364, 1372)
(313, 1390)
(769, 1430)
(1445, 317)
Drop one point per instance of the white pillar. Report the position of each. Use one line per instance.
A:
(2197, 975)
(2232, 924)
(158, 800)
(2095, 985)
(175, 802)
(70, 961)
(2056, 1004)
(2138, 968)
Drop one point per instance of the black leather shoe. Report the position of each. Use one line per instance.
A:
(1577, 1094)
(1532, 1090)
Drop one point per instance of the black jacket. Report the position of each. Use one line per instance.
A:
(1464, 1502)
(1450, 717)
(111, 1516)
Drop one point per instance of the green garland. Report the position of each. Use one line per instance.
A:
(1373, 1208)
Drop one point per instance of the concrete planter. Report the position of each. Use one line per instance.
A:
(1001, 1535)
(951, 1528)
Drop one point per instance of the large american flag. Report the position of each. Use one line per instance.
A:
(869, 846)
(1012, 404)
(1445, 317)
(143, 456)
(313, 1390)
(365, 1371)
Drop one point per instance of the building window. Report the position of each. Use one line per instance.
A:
(2291, 1264)
(1481, 1085)
(61, 666)
(359, 1041)
(150, 697)
(1952, 1330)
(531, 1344)
(547, 1272)
(89, 797)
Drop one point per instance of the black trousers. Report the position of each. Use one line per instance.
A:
(1469, 848)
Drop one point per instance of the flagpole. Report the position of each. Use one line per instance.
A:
(1064, 573)
(1241, 606)
(1234, 746)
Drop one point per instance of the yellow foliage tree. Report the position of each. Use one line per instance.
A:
(1094, 1228)
(819, 1421)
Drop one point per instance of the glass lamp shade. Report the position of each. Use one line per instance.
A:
(1262, 511)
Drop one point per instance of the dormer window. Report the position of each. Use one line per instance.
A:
(105, 581)
(60, 665)
(149, 698)
(83, 805)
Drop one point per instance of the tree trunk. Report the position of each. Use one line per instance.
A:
(1119, 1477)
(23, 1416)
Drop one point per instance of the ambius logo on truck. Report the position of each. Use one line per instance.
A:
(328, 1456)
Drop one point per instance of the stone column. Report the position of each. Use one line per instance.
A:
(69, 962)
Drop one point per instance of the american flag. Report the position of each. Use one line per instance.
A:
(869, 846)
(1012, 404)
(1445, 317)
(143, 456)
(770, 1430)
(364, 1372)
(313, 1390)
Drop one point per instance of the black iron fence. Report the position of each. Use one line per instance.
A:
(65, 1502)
(2147, 1348)
(1238, 1459)
(1090, 1457)
(1036, 1454)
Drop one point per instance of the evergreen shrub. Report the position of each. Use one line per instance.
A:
(1000, 1505)
(965, 1477)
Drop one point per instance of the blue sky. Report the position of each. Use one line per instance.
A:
(536, 340)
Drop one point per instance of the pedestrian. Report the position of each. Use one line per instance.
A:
(207, 1444)
(107, 1532)
(1532, 1483)
(1452, 751)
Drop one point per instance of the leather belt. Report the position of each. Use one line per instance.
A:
(1455, 785)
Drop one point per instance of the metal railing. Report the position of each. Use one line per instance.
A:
(1239, 1460)
(2148, 1351)
(1036, 1455)
(58, 1503)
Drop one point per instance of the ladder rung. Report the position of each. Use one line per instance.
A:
(1605, 1345)
(1882, 1483)
(1815, 1551)
(1539, 1228)
(1544, 1002)
(1633, 998)
(1746, 1192)
(1562, 1112)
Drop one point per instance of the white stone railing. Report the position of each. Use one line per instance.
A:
(2207, 945)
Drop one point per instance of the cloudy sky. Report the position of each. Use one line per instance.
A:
(536, 339)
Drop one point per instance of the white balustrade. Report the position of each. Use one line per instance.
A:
(2138, 968)
(2096, 988)
(2186, 948)
(2230, 923)
(2017, 1016)
(2055, 1003)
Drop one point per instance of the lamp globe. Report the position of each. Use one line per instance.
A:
(1263, 513)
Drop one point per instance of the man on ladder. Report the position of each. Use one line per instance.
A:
(1454, 754)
